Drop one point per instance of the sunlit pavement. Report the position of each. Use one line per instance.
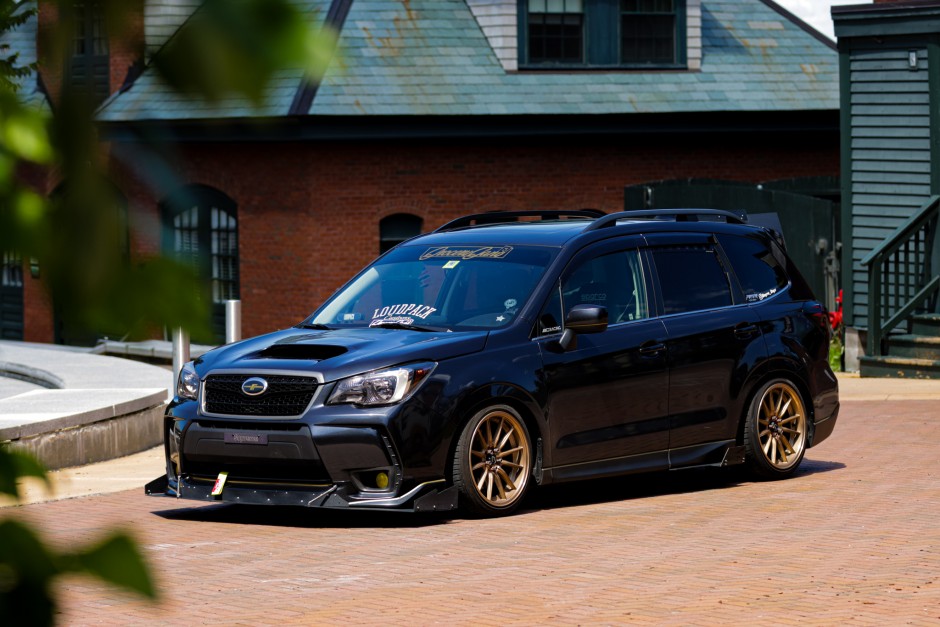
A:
(853, 536)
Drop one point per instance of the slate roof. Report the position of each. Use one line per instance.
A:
(430, 58)
(22, 40)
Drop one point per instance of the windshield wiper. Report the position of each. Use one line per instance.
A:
(313, 325)
(407, 327)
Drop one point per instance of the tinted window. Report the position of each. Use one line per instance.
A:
(614, 280)
(691, 278)
(758, 272)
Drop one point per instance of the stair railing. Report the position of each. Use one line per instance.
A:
(900, 276)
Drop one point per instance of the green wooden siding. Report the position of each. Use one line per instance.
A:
(890, 151)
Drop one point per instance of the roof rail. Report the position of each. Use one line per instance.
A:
(680, 215)
(496, 217)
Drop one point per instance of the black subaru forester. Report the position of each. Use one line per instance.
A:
(517, 348)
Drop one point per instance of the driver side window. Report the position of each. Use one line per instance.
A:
(614, 280)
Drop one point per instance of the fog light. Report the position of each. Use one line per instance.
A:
(381, 480)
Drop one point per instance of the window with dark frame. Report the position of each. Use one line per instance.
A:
(602, 33)
(397, 228)
(90, 68)
(556, 31)
(647, 31)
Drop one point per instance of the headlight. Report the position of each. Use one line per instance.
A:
(382, 387)
(187, 386)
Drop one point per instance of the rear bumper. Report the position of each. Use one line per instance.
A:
(426, 497)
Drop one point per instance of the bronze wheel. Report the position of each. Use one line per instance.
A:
(493, 461)
(775, 432)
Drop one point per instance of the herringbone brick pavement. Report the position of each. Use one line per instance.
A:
(854, 538)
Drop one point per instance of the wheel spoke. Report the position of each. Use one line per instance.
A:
(509, 483)
(790, 419)
(482, 481)
(773, 450)
(477, 453)
(489, 434)
(767, 446)
(790, 431)
(478, 466)
(783, 453)
(504, 440)
(763, 433)
(509, 452)
(489, 486)
(512, 464)
(783, 410)
(499, 432)
(500, 488)
(787, 445)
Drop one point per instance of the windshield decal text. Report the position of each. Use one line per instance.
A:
(753, 298)
(404, 320)
(410, 309)
(466, 252)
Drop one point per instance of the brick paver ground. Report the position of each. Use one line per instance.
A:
(853, 539)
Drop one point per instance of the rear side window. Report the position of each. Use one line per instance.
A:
(692, 278)
(760, 274)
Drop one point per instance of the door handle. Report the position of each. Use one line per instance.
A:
(651, 348)
(744, 331)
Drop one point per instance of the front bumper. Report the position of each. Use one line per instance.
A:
(433, 496)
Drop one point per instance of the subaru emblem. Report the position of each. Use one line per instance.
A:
(254, 386)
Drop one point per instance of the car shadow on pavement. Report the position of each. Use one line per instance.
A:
(550, 497)
(300, 517)
(646, 485)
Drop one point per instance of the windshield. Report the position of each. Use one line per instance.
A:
(439, 288)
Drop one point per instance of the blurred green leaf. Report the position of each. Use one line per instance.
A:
(235, 47)
(26, 572)
(15, 464)
(117, 561)
(23, 132)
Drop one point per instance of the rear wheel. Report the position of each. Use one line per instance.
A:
(775, 430)
(493, 461)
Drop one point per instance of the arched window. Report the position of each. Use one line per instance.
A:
(395, 229)
(11, 296)
(200, 227)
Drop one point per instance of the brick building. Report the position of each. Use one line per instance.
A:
(444, 107)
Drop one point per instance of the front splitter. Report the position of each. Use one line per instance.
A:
(426, 498)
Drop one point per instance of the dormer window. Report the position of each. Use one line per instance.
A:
(558, 34)
(89, 70)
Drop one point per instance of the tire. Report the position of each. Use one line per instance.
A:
(492, 465)
(775, 430)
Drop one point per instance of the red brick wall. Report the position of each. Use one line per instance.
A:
(309, 213)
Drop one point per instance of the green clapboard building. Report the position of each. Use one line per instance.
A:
(890, 101)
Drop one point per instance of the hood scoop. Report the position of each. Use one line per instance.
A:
(306, 352)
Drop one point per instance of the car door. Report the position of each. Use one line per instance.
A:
(607, 394)
(713, 342)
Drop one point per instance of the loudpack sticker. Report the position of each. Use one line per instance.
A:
(466, 252)
(409, 309)
(451, 264)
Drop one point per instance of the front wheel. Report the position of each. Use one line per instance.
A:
(775, 430)
(493, 461)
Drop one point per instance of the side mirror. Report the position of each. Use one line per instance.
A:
(583, 319)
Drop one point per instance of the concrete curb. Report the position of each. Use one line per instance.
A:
(95, 408)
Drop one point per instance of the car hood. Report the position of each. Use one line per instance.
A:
(340, 353)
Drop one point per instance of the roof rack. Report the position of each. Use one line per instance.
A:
(680, 215)
(497, 217)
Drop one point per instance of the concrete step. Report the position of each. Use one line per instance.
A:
(899, 367)
(915, 346)
(926, 324)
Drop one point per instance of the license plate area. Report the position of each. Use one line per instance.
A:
(246, 438)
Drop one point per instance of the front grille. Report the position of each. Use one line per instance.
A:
(286, 395)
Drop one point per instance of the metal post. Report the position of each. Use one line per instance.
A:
(233, 321)
(180, 351)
